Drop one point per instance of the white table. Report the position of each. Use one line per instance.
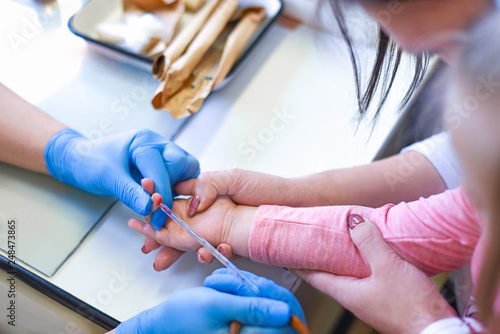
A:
(290, 111)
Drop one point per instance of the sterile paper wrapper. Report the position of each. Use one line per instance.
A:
(181, 42)
(215, 64)
(170, 16)
(182, 68)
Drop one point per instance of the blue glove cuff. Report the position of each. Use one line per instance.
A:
(56, 149)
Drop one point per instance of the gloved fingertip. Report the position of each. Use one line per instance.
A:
(168, 201)
(158, 219)
(268, 312)
(281, 313)
(143, 204)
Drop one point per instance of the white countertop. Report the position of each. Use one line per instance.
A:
(290, 111)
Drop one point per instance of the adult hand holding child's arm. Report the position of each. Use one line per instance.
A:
(396, 298)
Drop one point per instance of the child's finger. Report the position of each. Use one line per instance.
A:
(148, 185)
(161, 236)
(150, 245)
(204, 255)
(166, 257)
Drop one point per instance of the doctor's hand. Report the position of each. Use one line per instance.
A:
(396, 298)
(210, 309)
(115, 164)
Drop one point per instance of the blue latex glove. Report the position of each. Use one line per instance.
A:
(114, 166)
(225, 280)
(206, 310)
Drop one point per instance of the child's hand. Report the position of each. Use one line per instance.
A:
(225, 222)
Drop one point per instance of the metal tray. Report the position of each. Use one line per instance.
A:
(84, 23)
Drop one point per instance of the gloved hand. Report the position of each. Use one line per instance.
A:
(114, 166)
(206, 310)
(225, 280)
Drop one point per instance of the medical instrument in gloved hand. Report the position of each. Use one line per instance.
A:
(234, 327)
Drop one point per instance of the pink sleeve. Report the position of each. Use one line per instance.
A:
(436, 234)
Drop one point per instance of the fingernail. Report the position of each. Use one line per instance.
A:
(354, 220)
(154, 267)
(145, 250)
(221, 250)
(193, 206)
(201, 259)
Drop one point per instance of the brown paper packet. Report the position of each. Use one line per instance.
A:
(181, 103)
(215, 65)
(238, 40)
(182, 68)
(170, 16)
(182, 40)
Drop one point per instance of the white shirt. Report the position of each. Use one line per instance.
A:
(439, 150)
(454, 326)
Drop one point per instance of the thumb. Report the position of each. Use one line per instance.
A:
(132, 194)
(370, 243)
(204, 190)
(339, 287)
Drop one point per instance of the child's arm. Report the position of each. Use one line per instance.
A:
(436, 234)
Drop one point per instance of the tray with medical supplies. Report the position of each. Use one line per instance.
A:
(191, 46)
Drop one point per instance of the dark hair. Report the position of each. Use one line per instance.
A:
(385, 67)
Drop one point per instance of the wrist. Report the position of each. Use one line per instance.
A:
(57, 153)
(241, 225)
(442, 314)
(295, 190)
(302, 193)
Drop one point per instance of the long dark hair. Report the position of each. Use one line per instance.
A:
(385, 67)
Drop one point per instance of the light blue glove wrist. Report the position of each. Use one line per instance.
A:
(114, 166)
(206, 310)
